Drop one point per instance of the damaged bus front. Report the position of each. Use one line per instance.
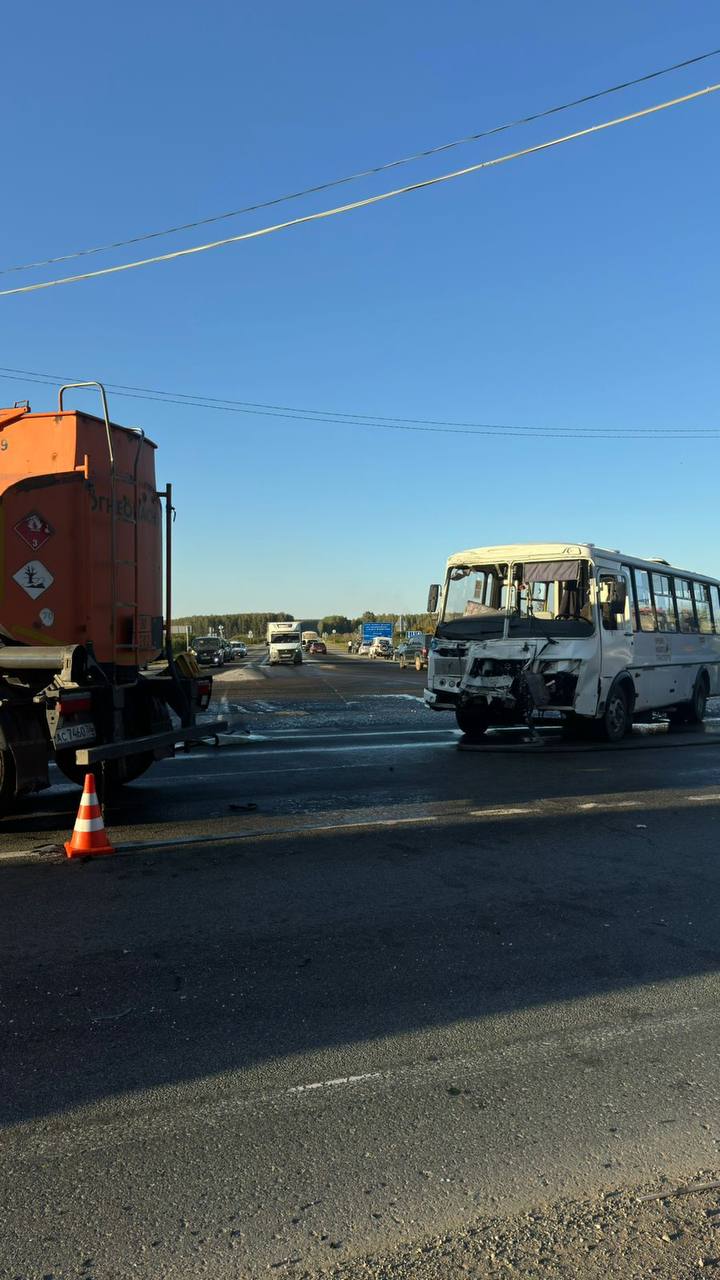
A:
(517, 636)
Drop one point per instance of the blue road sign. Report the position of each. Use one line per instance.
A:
(414, 635)
(372, 629)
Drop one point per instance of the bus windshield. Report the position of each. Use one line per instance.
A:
(539, 598)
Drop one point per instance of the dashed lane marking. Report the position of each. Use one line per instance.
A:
(333, 1084)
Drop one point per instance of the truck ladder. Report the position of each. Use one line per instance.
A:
(134, 563)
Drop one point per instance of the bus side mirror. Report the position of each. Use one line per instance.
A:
(433, 596)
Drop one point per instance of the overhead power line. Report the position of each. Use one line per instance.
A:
(332, 417)
(367, 201)
(367, 173)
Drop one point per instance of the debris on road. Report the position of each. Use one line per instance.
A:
(617, 1233)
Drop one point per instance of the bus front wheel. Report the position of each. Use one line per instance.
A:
(615, 722)
(473, 721)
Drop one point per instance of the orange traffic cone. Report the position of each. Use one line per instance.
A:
(89, 836)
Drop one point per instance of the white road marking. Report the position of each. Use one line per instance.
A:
(333, 1084)
(377, 746)
(240, 675)
(364, 733)
(501, 813)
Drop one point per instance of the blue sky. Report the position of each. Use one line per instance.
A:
(574, 288)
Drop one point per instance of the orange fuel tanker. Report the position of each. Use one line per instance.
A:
(81, 603)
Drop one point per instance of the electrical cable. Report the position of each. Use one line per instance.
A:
(367, 201)
(367, 173)
(377, 422)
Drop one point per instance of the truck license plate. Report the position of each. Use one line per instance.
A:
(71, 733)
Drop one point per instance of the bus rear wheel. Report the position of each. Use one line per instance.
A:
(473, 721)
(693, 712)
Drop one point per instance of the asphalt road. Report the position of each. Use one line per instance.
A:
(348, 987)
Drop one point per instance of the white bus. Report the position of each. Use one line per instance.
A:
(569, 628)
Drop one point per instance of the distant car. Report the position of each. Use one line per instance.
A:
(381, 647)
(238, 649)
(364, 648)
(317, 646)
(209, 651)
(414, 653)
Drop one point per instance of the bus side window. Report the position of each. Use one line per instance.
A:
(715, 601)
(664, 602)
(701, 592)
(685, 605)
(613, 600)
(645, 607)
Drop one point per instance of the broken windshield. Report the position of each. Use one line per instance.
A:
(540, 598)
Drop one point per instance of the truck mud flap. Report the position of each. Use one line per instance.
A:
(22, 732)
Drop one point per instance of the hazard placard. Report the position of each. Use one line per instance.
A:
(34, 530)
(34, 578)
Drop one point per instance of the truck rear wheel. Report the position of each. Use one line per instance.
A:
(7, 780)
(135, 767)
(155, 719)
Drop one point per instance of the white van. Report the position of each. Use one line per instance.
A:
(284, 643)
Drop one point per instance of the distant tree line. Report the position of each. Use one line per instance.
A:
(241, 624)
(233, 624)
(350, 626)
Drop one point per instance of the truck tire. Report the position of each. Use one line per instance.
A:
(155, 719)
(135, 767)
(7, 780)
(472, 720)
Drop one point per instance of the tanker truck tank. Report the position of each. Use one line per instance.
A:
(81, 602)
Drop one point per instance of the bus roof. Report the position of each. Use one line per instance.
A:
(522, 551)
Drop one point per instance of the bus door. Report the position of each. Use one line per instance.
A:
(614, 594)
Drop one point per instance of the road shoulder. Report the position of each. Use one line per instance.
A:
(616, 1234)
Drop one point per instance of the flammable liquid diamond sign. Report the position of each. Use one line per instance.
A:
(34, 530)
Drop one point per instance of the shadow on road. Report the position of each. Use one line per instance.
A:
(143, 972)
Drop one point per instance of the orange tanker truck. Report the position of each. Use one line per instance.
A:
(81, 603)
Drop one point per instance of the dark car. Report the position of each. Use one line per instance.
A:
(317, 646)
(414, 653)
(209, 651)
